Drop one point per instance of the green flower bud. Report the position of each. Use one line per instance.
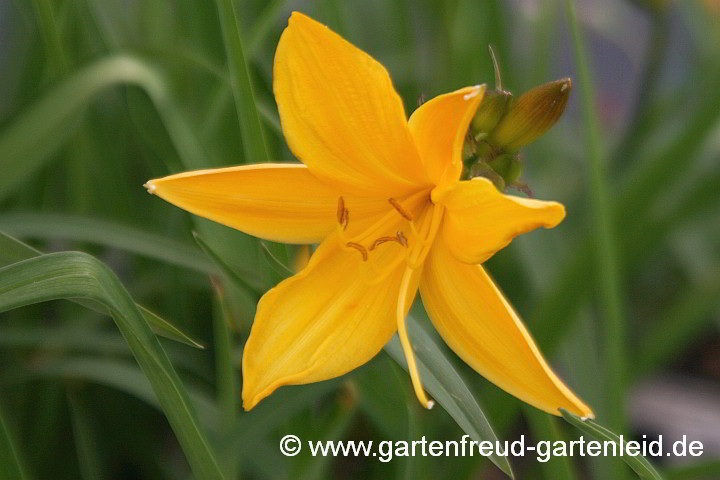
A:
(508, 166)
(491, 110)
(531, 115)
(482, 169)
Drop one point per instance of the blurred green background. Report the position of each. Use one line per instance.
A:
(97, 96)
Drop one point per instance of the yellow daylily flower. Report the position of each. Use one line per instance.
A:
(382, 196)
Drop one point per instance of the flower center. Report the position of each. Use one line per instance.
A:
(416, 239)
(343, 220)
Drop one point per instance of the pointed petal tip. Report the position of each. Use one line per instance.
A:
(150, 186)
(566, 84)
(588, 414)
(296, 16)
(249, 402)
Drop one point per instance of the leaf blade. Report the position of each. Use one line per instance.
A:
(639, 464)
(446, 386)
(77, 275)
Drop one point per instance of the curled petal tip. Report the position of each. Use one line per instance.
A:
(430, 404)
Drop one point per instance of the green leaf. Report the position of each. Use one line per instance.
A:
(251, 130)
(108, 234)
(227, 392)
(639, 464)
(706, 470)
(333, 428)
(605, 246)
(273, 412)
(166, 329)
(667, 337)
(77, 275)
(13, 250)
(86, 438)
(278, 266)
(116, 374)
(545, 427)
(446, 386)
(9, 462)
(231, 272)
(263, 24)
(63, 339)
(53, 117)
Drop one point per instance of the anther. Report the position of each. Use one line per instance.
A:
(363, 251)
(343, 214)
(380, 241)
(401, 239)
(401, 210)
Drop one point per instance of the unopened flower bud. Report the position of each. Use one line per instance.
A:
(482, 169)
(531, 115)
(491, 110)
(509, 166)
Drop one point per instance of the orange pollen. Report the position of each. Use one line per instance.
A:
(363, 251)
(400, 209)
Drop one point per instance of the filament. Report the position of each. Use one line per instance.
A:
(400, 209)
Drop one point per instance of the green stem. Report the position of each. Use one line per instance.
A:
(609, 275)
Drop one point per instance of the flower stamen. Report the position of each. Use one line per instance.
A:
(363, 251)
(343, 214)
(399, 238)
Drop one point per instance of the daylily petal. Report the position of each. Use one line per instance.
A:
(330, 318)
(439, 127)
(279, 202)
(476, 321)
(340, 113)
(480, 220)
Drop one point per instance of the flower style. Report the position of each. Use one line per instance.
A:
(382, 196)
